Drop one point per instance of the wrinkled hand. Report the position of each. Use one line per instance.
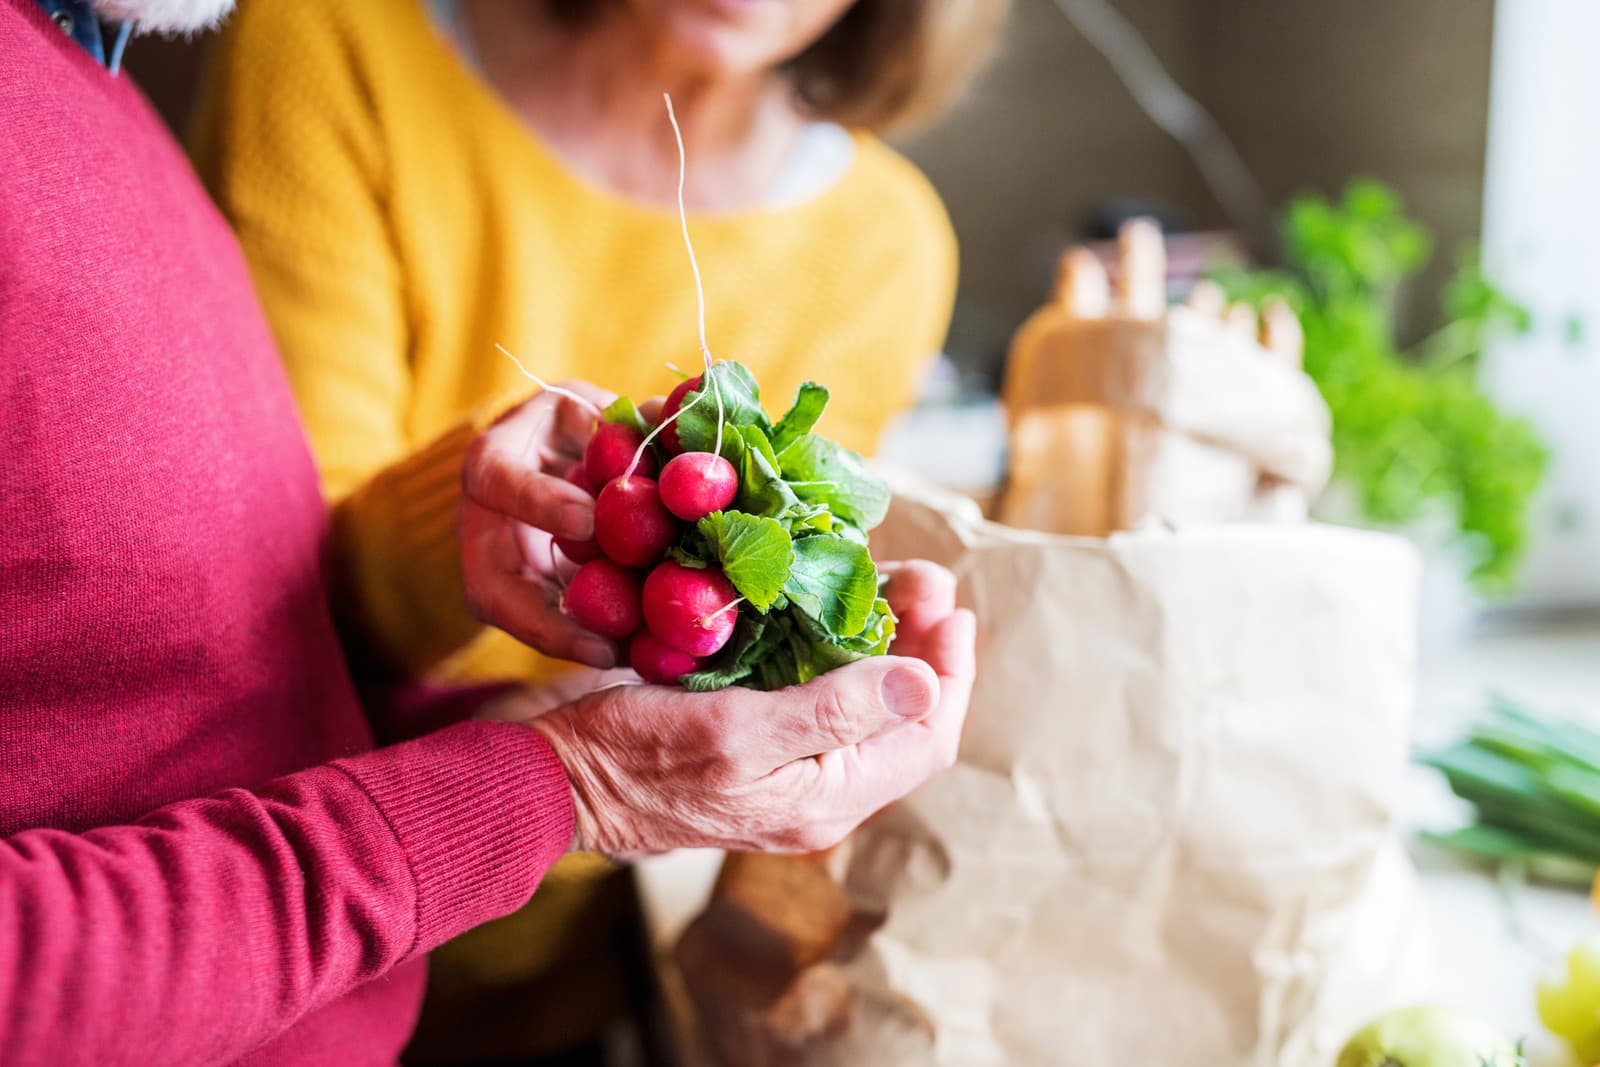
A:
(536, 699)
(515, 501)
(655, 768)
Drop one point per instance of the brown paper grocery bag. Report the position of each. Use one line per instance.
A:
(1168, 839)
(1124, 408)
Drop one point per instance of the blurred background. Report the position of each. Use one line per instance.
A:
(1471, 115)
(1417, 177)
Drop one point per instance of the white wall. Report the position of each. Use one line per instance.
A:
(1542, 241)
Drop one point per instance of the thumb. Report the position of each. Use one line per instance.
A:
(846, 706)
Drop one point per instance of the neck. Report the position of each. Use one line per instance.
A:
(595, 93)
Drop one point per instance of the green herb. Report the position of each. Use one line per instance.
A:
(1412, 430)
(808, 405)
(834, 582)
(741, 406)
(756, 554)
(822, 472)
(762, 489)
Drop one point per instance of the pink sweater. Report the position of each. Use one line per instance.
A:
(202, 858)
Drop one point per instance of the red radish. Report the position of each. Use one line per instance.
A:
(631, 524)
(694, 484)
(579, 551)
(579, 476)
(610, 451)
(657, 663)
(669, 435)
(605, 598)
(690, 610)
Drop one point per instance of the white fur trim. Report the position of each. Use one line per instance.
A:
(165, 16)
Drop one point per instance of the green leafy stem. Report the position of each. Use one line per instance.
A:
(795, 543)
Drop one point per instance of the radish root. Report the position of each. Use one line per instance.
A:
(581, 401)
(700, 299)
(694, 264)
(651, 436)
(705, 622)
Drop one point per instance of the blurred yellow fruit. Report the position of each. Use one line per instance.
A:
(1569, 1005)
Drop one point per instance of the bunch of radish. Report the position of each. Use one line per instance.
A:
(745, 562)
(728, 549)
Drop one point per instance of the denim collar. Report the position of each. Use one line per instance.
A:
(78, 20)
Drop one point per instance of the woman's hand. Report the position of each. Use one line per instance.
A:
(515, 501)
(795, 770)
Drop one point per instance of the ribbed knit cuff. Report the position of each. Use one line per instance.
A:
(481, 810)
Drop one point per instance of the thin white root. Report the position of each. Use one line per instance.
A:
(694, 264)
(732, 605)
(638, 454)
(581, 401)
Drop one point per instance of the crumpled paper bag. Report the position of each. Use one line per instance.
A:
(1186, 371)
(1169, 836)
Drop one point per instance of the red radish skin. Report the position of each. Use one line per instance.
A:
(605, 598)
(669, 436)
(579, 551)
(631, 524)
(657, 663)
(610, 451)
(689, 609)
(695, 484)
(579, 476)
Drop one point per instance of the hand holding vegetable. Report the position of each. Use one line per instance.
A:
(517, 503)
(727, 548)
(791, 770)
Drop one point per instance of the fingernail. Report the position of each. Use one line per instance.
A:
(595, 652)
(907, 693)
(577, 521)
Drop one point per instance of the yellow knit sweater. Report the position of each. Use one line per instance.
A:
(400, 221)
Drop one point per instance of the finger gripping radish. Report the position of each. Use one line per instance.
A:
(579, 551)
(631, 524)
(658, 663)
(758, 553)
(611, 450)
(695, 484)
(605, 598)
(689, 609)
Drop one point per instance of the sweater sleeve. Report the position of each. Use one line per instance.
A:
(289, 144)
(203, 930)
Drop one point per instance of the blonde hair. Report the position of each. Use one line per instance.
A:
(886, 64)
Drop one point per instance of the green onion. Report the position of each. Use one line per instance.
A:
(1534, 785)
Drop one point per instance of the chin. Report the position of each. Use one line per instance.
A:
(726, 36)
(165, 16)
